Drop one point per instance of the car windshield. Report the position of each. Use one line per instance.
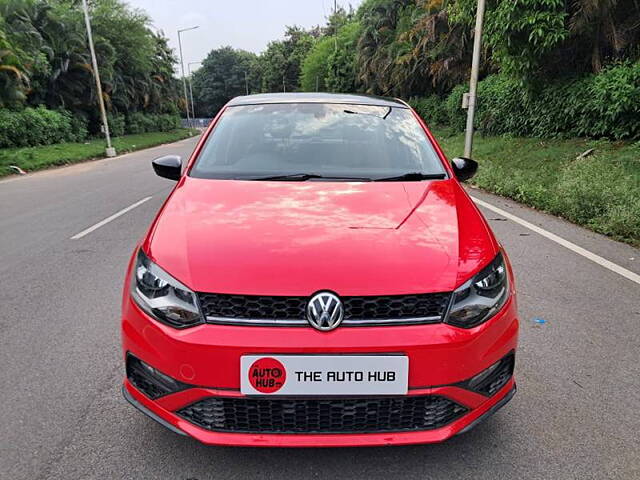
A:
(314, 141)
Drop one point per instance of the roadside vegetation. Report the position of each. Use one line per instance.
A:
(36, 158)
(599, 191)
(47, 90)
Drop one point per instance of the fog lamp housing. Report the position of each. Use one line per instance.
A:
(149, 380)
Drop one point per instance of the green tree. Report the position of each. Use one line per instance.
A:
(13, 79)
(48, 40)
(604, 28)
(315, 67)
(341, 66)
(282, 61)
(440, 55)
(222, 77)
(522, 32)
(379, 46)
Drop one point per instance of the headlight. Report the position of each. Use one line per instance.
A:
(481, 297)
(162, 296)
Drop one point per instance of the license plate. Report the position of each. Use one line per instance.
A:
(324, 374)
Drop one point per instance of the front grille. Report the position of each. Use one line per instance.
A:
(291, 311)
(338, 415)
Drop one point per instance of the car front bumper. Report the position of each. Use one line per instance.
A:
(440, 358)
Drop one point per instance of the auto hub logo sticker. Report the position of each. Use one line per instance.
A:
(267, 375)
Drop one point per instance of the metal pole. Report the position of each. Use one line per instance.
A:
(193, 108)
(317, 83)
(193, 105)
(184, 80)
(284, 85)
(335, 18)
(246, 83)
(473, 85)
(111, 152)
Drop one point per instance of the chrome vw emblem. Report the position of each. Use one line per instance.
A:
(324, 311)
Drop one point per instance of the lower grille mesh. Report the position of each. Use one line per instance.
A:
(339, 415)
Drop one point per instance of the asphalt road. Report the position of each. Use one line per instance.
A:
(576, 414)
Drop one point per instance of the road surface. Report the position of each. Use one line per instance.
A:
(576, 414)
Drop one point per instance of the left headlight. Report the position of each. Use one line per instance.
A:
(162, 296)
(479, 299)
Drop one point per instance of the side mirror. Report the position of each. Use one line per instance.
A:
(464, 168)
(169, 167)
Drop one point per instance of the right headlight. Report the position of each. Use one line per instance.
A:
(480, 298)
(162, 296)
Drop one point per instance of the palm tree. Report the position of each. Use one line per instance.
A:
(13, 79)
(609, 26)
(441, 50)
(376, 56)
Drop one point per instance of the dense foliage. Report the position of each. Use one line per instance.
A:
(29, 126)
(38, 126)
(281, 62)
(549, 67)
(596, 105)
(225, 73)
(45, 62)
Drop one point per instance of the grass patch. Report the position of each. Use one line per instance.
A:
(600, 192)
(37, 158)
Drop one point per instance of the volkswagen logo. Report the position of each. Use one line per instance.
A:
(324, 311)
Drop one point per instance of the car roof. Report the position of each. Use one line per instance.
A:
(265, 98)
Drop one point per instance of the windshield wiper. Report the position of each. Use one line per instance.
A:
(412, 177)
(383, 117)
(302, 177)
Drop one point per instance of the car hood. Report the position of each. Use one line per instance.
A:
(296, 238)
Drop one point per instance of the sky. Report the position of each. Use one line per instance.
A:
(245, 24)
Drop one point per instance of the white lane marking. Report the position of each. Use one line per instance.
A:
(565, 243)
(109, 219)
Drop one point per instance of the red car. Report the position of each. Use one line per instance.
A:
(318, 277)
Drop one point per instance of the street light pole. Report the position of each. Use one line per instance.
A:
(193, 108)
(335, 19)
(184, 80)
(473, 84)
(246, 83)
(111, 152)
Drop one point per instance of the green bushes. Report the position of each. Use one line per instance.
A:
(137, 122)
(432, 110)
(141, 123)
(606, 105)
(117, 124)
(38, 126)
(79, 128)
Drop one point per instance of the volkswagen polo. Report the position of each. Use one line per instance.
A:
(318, 277)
